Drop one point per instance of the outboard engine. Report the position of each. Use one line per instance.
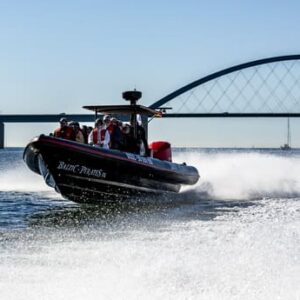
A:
(161, 150)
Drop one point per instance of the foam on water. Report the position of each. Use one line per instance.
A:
(213, 247)
(20, 178)
(250, 253)
(245, 175)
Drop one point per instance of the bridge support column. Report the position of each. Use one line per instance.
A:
(1, 135)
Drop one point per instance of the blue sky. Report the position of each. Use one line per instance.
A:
(56, 56)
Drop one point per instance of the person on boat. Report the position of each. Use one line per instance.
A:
(142, 141)
(99, 136)
(64, 131)
(141, 137)
(89, 130)
(77, 131)
(129, 141)
(84, 130)
(107, 123)
(116, 135)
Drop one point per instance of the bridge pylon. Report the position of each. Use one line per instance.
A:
(1, 135)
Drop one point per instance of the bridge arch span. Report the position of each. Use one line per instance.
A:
(227, 71)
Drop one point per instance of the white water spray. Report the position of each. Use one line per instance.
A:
(246, 176)
(242, 252)
(20, 179)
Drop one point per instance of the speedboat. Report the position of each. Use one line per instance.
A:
(86, 173)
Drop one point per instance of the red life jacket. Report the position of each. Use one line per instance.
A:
(110, 128)
(95, 135)
(65, 133)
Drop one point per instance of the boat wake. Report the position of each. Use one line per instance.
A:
(244, 176)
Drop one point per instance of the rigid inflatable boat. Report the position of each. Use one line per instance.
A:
(86, 173)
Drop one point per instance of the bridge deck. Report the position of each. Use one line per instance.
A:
(45, 118)
(51, 118)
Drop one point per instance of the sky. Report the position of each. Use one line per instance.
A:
(56, 56)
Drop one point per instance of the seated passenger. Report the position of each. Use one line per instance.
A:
(116, 135)
(78, 132)
(64, 131)
(107, 123)
(84, 130)
(89, 130)
(99, 136)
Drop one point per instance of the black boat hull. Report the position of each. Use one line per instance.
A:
(84, 173)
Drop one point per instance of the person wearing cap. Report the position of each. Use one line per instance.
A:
(64, 131)
(116, 136)
(77, 131)
(129, 141)
(99, 136)
(107, 123)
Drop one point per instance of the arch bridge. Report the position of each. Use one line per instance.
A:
(267, 87)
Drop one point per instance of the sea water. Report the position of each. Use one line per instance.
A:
(234, 235)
